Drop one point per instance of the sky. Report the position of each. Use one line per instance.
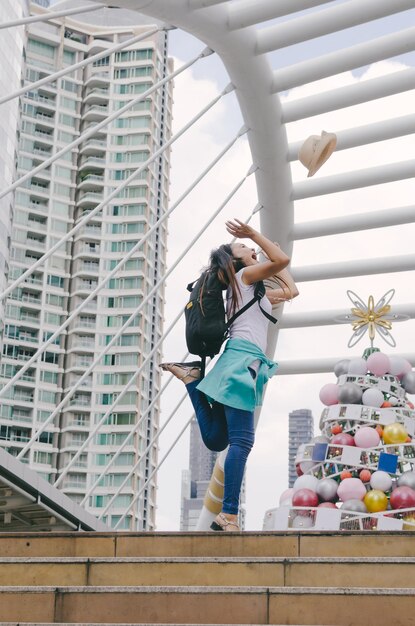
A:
(267, 468)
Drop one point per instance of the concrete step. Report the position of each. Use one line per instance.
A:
(209, 571)
(213, 605)
(250, 544)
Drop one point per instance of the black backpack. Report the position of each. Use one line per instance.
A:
(206, 324)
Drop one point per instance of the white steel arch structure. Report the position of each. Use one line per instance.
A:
(238, 32)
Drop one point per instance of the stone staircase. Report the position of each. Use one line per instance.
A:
(309, 578)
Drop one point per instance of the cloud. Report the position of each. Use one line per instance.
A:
(267, 466)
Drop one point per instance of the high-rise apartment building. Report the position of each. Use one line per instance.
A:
(196, 479)
(300, 431)
(11, 69)
(46, 207)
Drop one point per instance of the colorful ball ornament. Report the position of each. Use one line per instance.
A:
(286, 497)
(329, 394)
(373, 397)
(350, 489)
(375, 501)
(305, 497)
(327, 505)
(394, 433)
(402, 498)
(336, 429)
(366, 437)
(381, 481)
(357, 366)
(365, 475)
(378, 363)
(407, 479)
(350, 393)
(306, 482)
(345, 474)
(398, 366)
(343, 439)
(327, 489)
(357, 506)
(341, 367)
(408, 382)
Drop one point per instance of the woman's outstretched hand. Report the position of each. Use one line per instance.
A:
(240, 230)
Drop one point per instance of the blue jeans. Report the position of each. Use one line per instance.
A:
(220, 426)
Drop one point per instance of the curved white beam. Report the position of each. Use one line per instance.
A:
(354, 179)
(359, 267)
(344, 60)
(367, 134)
(353, 223)
(49, 15)
(318, 23)
(247, 13)
(327, 318)
(342, 97)
(319, 366)
(261, 110)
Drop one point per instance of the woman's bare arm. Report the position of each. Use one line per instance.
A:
(278, 260)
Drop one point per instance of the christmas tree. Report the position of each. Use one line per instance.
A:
(360, 472)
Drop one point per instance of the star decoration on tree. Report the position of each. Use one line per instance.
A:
(372, 318)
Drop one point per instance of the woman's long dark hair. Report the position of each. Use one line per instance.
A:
(225, 266)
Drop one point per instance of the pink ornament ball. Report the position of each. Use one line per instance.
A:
(343, 439)
(286, 497)
(402, 498)
(327, 505)
(350, 489)
(378, 363)
(366, 437)
(305, 497)
(329, 394)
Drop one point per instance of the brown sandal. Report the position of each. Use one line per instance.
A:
(187, 369)
(222, 523)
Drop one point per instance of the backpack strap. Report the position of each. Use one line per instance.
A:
(259, 294)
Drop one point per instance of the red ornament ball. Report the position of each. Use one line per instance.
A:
(336, 429)
(343, 439)
(327, 505)
(299, 470)
(345, 474)
(305, 497)
(402, 498)
(385, 404)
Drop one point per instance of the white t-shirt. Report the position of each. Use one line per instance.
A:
(251, 325)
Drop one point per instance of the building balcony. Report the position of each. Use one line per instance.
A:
(37, 189)
(90, 181)
(92, 163)
(44, 101)
(96, 95)
(43, 135)
(98, 78)
(83, 249)
(93, 146)
(95, 113)
(89, 198)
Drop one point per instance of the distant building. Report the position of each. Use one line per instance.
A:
(196, 479)
(45, 208)
(300, 430)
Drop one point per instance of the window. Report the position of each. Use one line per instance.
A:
(134, 55)
(67, 120)
(63, 172)
(102, 62)
(130, 139)
(143, 121)
(68, 85)
(62, 190)
(55, 281)
(68, 59)
(133, 72)
(49, 377)
(130, 157)
(134, 88)
(39, 47)
(68, 103)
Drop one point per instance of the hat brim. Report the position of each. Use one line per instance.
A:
(325, 150)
